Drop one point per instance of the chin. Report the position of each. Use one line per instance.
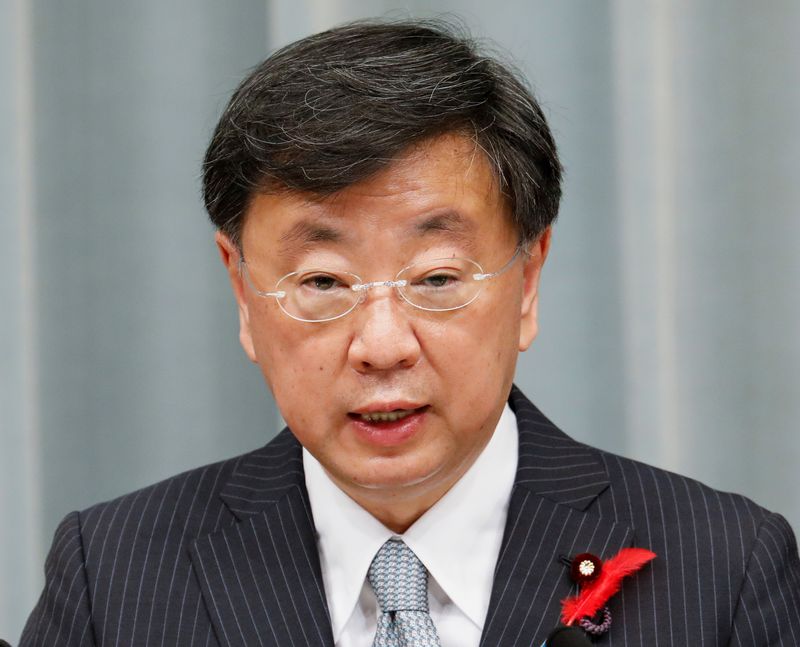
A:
(386, 477)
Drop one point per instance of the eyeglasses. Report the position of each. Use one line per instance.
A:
(437, 285)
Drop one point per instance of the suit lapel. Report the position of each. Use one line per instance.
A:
(260, 577)
(557, 481)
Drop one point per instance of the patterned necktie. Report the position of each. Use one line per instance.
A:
(400, 582)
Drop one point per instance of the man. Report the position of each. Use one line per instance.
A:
(383, 196)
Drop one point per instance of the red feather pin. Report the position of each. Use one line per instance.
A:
(595, 593)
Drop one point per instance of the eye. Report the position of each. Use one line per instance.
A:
(438, 280)
(321, 282)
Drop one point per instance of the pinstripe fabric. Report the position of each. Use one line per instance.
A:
(226, 555)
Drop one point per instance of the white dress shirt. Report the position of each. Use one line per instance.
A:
(458, 540)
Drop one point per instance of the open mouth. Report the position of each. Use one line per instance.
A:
(391, 428)
(378, 417)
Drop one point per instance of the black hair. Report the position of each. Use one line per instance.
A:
(334, 108)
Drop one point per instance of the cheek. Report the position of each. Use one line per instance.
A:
(474, 350)
(301, 365)
(296, 363)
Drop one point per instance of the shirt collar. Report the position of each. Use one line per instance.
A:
(458, 539)
(347, 539)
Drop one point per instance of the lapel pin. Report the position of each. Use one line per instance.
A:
(598, 581)
(585, 568)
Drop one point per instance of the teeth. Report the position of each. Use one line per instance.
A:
(386, 416)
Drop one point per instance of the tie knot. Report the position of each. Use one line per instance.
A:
(399, 579)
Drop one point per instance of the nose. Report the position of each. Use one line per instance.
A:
(385, 338)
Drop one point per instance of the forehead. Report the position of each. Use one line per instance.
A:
(442, 188)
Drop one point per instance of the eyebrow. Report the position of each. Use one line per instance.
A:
(452, 224)
(307, 232)
(449, 221)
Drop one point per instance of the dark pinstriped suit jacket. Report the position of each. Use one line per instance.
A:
(226, 555)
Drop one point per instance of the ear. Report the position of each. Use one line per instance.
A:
(230, 255)
(534, 260)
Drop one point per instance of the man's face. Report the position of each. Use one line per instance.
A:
(450, 372)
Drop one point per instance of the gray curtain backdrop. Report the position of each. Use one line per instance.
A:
(670, 306)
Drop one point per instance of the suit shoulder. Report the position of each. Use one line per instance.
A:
(663, 500)
(188, 503)
(634, 491)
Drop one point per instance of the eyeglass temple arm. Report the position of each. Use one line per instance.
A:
(278, 294)
(491, 275)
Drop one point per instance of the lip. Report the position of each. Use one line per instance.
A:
(389, 433)
(385, 407)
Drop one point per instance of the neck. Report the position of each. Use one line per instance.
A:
(399, 516)
(399, 508)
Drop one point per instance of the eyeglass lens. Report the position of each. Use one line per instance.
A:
(440, 284)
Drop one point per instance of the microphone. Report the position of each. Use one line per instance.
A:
(568, 637)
